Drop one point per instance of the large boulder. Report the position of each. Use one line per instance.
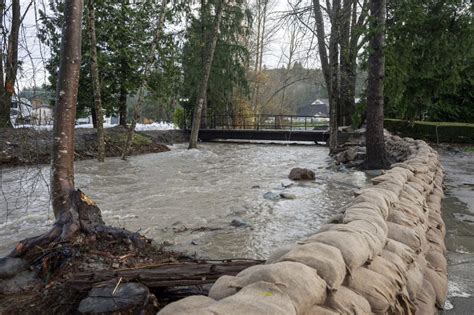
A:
(301, 174)
(24, 281)
(9, 267)
(128, 298)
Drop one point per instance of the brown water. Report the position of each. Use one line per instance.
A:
(189, 198)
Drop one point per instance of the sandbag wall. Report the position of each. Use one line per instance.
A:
(387, 256)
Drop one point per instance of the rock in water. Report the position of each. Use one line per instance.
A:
(285, 195)
(238, 223)
(131, 298)
(9, 267)
(271, 196)
(301, 174)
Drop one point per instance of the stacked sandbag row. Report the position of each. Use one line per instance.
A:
(386, 257)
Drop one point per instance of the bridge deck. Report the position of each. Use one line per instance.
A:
(252, 134)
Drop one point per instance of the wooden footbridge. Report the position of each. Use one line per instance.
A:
(262, 127)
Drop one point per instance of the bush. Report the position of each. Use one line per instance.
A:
(178, 117)
(433, 131)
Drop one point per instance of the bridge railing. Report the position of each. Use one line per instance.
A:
(262, 122)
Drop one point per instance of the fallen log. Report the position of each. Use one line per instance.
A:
(164, 276)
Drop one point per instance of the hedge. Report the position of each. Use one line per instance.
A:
(448, 132)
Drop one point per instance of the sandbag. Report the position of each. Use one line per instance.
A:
(425, 300)
(300, 282)
(277, 253)
(436, 239)
(376, 288)
(396, 260)
(320, 310)
(403, 251)
(389, 270)
(223, 288)
(403, 218)
(347, 302)
(353, 246)
(405, 235)
(370, 215)
(259, 298)
(190, 305)
(439, 281)
(325, 259)
(438, 261)
(394, 187)
(414, 280)
(376, 199)
(389, 196)
(366, 206)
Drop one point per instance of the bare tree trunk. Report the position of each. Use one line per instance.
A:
(346, 103)
(96, 84)
(7, 88)
(122, 105)
(330, 66)
(205, 76)
(376, 157)
(62, 178)
(137, 108)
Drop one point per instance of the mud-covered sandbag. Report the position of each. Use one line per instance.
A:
(405, 235)
(325, 259)
(437, 261)
(300, 282)
(190, 305)
(259, 298)
(426, 300)
(320, 310)
(353, 246)
(376, 288)
(223, 288)
(403, 251)
(347, 302)
(277, 253)
(439, 281)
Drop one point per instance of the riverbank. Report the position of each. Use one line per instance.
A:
(458, 214)
(26, 146)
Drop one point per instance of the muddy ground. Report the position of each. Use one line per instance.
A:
(24, 146)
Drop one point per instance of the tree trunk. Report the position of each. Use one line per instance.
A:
(122, 105)
(7, 88)
(205, 76)
(137, 108)
(62, 179)
(329, 66)
(334, 90)
(96, 84)
(376, 157)
(346, 103)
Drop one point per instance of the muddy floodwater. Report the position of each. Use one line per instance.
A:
(222, 201)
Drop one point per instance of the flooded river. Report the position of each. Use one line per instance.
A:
(188, 199)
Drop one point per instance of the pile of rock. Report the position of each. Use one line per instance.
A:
(386, 257)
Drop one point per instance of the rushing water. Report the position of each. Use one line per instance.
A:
(188, 198)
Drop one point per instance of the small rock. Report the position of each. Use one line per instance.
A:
(23, 281)
(238, 223)
(115, 265)
(194, 242)
(285, 195)
(301, 174)
(271, 196)
(286, 184)
(256, 187)
(9, 267)
(168, 243)
(129, 298)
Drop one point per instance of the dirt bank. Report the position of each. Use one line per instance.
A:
(28, 146)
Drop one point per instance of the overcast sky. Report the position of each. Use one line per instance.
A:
(34, 55)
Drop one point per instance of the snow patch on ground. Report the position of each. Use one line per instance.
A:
(139, 127)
